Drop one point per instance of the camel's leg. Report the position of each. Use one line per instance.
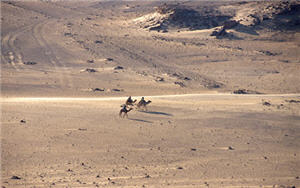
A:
(144, 107)
(120, 114)
(125, 114)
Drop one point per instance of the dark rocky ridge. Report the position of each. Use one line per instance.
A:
(257, 15)
(180, 16)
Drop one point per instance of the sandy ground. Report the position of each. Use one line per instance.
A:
(63, 37)
(67, 66)
(84, 143)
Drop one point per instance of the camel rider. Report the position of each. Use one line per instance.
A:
(142, 101)
(129, 101)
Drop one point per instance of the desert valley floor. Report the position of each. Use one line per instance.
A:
(222, 77)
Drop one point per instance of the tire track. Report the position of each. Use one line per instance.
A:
(38, 35)
(18, 57)
(12, 56)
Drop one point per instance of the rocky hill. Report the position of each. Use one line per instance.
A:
(274, 15)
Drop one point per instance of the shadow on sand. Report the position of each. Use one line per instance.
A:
(140, 120)
(157, 113)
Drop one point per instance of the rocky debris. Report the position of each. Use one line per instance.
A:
(90, 61)
(109, 59)
(90, 70)
(117, 90)
(97, 89)
(23, 121)
(15, 178)
(186, 78)
(80, 42)
(280, 106)
(179, 168)
(273, 72)
(147, 176)
(266, 103)
(240, 91)
(268, 53)
(30, 63)
(213, 86)
(68, 34)
(230, 24)
(176, 75)
(69, 24)
(244, 91)
(219, 33)
(98, 176)
(284, 186)
(82, 129)
(230, 148)
(118, 68)
(163, 39)
(181, 77)
(193, 149)
(285, 61)
(181, 84)
(292, 101)
(142, 73)
(98, 42)
(159, 79)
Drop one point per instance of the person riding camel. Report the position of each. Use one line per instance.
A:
(143, 104)
(124, 110)
(142, 101)
(129, 101)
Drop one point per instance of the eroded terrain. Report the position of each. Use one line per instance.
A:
(223, 78)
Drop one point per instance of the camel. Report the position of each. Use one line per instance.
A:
(129, 101)
(125, 111)
(143, 104)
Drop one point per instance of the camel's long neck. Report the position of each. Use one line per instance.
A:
(129, 109)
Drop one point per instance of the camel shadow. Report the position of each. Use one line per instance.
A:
(157, 113)
(140, 120)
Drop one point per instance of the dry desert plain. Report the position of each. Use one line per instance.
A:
(223, 78)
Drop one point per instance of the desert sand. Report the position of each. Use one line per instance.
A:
(223, 78)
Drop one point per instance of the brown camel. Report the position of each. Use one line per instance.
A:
(143, 104)
(125, 111)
